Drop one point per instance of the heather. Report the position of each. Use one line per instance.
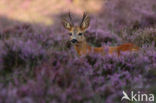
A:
(39, 65)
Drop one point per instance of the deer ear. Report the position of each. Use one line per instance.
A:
(85, 23)
(66, 24)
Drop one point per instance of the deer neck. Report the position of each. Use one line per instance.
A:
(82, 48)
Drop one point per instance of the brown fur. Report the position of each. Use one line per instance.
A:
(83, 49)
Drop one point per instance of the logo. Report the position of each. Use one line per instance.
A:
(137, 97)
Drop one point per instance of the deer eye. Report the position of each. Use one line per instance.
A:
(80, 34)
(70, 34)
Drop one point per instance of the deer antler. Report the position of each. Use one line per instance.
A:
(83, 18)
(70, 18)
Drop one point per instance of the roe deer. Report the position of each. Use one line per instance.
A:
(78, 39)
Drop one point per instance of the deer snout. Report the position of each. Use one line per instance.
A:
(74, 41)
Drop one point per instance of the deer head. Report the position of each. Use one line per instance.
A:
(76, 32)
